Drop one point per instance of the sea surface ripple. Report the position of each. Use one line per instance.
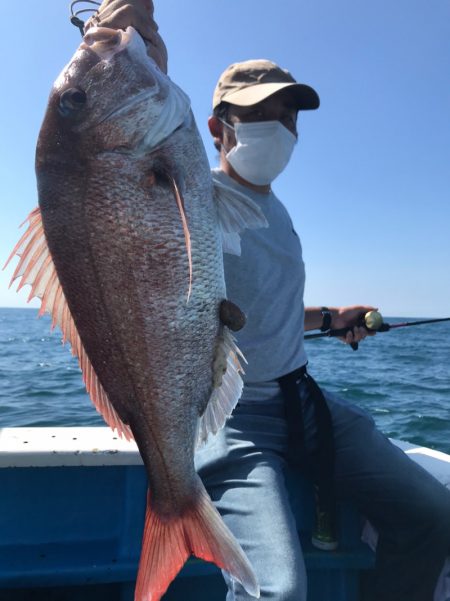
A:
(401, 377)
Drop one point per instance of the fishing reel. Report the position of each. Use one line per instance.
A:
(373, 321)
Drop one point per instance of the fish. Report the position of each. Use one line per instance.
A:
(125, 253)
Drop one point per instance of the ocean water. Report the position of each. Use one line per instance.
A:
(401, 377)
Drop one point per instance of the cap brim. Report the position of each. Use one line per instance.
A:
(306, 98)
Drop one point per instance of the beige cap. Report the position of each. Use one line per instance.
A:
(250, 82)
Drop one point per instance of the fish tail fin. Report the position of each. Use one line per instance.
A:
(168, 542)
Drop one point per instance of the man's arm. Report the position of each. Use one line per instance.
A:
(341, 317)
(120, 14)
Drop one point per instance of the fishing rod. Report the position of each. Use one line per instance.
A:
(373, 322)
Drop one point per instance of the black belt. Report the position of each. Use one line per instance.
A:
(294, 416)
(320, 464)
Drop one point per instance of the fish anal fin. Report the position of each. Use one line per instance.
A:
(37, 269)
(169, 541)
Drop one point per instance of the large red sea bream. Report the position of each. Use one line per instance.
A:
(125, 251)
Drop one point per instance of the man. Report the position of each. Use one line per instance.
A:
(254, 126)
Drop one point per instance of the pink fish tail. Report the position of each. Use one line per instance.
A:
(200, 531)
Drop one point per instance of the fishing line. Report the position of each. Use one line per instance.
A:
(74, 18)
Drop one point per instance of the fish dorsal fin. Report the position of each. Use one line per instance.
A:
(237, 212)
(228, 387)
(37, 269)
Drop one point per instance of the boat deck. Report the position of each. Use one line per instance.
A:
(71, 517)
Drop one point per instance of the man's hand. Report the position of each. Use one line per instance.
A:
(352, 317)
(120, 14)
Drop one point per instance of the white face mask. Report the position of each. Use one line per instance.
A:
(262, 151)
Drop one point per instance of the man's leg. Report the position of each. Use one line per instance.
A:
(409, 507)
(242, 469)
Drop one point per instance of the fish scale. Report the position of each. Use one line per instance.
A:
(125, 252)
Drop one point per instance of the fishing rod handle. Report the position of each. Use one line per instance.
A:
(354, 345)
(342, 332)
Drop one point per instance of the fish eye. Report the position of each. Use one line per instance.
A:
(71, 100)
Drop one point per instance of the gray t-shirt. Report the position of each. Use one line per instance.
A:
(267, 282)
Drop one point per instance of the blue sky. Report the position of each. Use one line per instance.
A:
(368, 187)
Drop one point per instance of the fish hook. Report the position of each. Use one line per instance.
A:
(74, 18)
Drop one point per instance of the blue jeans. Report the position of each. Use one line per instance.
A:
(243, 468)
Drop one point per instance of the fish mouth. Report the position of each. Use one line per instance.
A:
(165, 107)
(106, 42)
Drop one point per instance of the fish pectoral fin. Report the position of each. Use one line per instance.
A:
(36, 268)
(227, 387)
(187, 236)
(237, 212)
(199, 530)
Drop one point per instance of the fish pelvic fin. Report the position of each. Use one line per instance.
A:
(200, 531)
(227, 386)
(36, 268)
(236, 212)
